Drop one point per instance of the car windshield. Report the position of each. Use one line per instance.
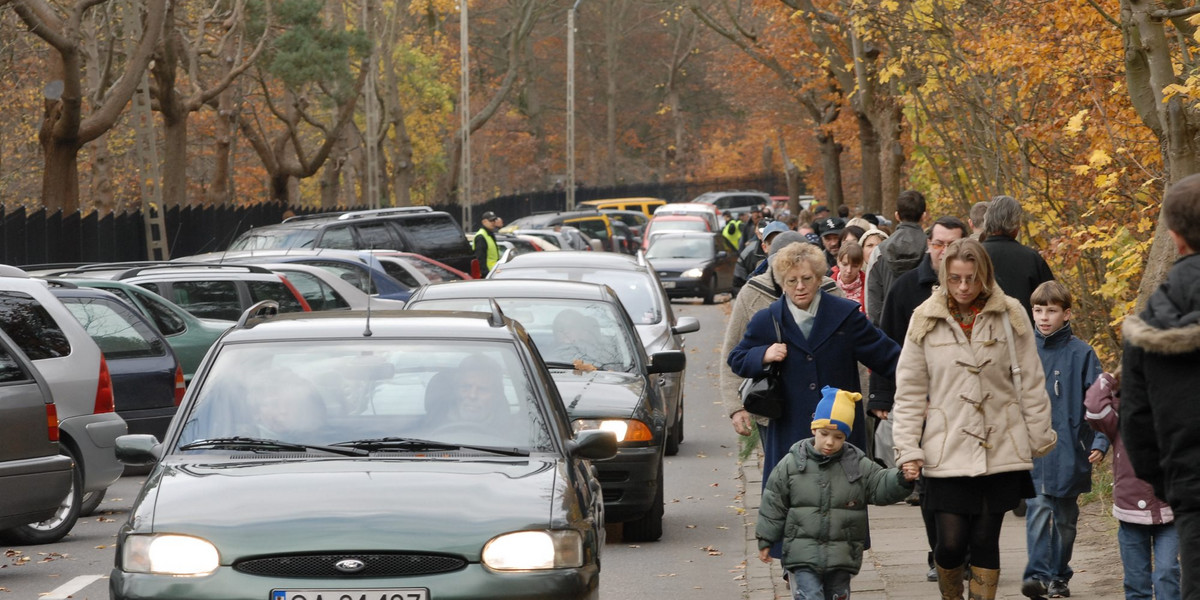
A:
(680, 247)
(636, 290)
(581, 333)
(349, 391)
(261, 239)
(678, 225)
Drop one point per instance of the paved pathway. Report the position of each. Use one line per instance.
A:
(894, 568)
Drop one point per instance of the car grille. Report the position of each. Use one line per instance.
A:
(377, 565)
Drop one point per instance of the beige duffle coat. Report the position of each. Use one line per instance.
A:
(956, 404)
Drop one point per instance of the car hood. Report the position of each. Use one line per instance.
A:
(441, 505)
(678, 265)
(597, 394)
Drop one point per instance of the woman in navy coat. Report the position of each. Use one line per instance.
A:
(824, 339)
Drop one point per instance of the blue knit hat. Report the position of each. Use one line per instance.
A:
(835, 410)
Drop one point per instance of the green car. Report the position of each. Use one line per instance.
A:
(189, 336)
(405, 455)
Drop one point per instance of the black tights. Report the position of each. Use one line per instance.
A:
(978, 535)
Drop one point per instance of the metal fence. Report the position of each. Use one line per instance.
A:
(37, 237)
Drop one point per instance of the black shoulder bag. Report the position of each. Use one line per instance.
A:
(763, 395)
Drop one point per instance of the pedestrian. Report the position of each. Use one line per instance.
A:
(870, 240)
(848, 273)
(1146, 534)
(815, 502)
(752, 260)
(976, 219)
(757, 294)
(1019, 268)
(970, 412)
(1160, 376)
(823, 340)
(756, 221)
(830, 229)
(732, 232)
(907, 293)
(1060, 477)
(487, 252)
(900, 253)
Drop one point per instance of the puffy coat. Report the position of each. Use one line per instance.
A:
(1070, 366)
(955, 406)
(893, 257)
(817, 506)
(1133, 499)
(1160, 376)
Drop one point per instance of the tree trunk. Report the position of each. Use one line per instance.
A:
(60, 179)
(610, 97)
(175, 157)
(891, 159)
(219, 193)
(831, 167)
(872, 181)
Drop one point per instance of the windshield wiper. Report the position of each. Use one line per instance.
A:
(265, 444)
(555, 364)
(406, 443)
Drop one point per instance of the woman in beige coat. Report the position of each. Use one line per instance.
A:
(960, 420)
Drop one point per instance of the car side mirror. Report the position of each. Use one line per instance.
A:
(596, 245)
(722, 255)
(138, 449)
(667, 361)
(593, 444)
(686, 325)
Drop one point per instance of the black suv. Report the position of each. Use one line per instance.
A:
(417, 229)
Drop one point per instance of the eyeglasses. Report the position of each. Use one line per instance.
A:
(792, 282)
(959, 279)
(938, 243)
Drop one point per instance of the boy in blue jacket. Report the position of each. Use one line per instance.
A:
(815, 501)
(1059, 477)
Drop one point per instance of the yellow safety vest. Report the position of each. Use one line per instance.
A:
(493, 251)
(734, 237)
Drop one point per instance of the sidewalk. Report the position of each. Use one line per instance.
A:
(894, 568)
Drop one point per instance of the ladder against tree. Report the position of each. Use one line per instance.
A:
(156, 232)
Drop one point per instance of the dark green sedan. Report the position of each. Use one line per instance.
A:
(404, 456)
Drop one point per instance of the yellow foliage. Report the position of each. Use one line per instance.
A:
(1075, 125)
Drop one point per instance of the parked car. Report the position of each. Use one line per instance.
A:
(564, 236)
(778, 203)
(313, 461)
(78, 376)
(636, 220)
(624, 239)
(35, 476)
(432, 270)
(708, 212)
(593, 351)
(417, 229)
(693, 264)
(595, 224)
(147, 380)
(357, 267)
(190, 336)
(644, 300)
(645, 206)
(671, 223)
(735, 201)
(324, 290)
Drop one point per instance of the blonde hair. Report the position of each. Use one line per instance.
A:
(969, 250)
(792, 255)
(852, 253)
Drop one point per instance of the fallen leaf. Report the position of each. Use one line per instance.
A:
(691, 526)
(101, 547)
(722, 527)
(666, 574)
(714, 485)
(634, 546)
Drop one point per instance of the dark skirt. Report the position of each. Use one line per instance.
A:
(976, 495)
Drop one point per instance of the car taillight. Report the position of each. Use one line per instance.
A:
(52, 422)
(476, 272)
(180, 386)
(104, 390)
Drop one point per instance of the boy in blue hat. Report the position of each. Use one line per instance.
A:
(815, 502)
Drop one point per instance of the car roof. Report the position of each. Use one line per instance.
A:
(542, 219)
(686, 234)
(414, 324)
(670, 217)
(575, 259)
(514, 288)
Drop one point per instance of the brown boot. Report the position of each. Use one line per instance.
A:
(950, 583)
(983, 583)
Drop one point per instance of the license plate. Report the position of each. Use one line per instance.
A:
(392, 594)
(668, 284)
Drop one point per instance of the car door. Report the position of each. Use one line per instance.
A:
(723, 261)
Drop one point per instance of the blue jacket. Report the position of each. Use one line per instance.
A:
(1071, 367)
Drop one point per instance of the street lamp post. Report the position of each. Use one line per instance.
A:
(464, 185)
(571, 105)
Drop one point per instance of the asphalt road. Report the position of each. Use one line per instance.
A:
(701, 553)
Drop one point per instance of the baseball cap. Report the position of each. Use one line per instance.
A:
(830, 226)
(818, 209)
(774, 227)
(488, 216)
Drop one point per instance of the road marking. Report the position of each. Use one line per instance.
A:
(65, 590)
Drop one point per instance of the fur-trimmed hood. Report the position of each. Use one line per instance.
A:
(933, 310)
(1170, 324)
(1171, 340)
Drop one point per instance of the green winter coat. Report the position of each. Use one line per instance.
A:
(818, 506)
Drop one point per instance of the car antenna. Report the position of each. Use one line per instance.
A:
(497, 317)
(367, 330)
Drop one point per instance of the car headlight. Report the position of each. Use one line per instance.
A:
(169, 555)
(693, 273)
(531, 550)
(626, 430)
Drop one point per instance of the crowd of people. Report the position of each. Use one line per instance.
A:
(957, 338)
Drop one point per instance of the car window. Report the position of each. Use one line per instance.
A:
(207, 299)
(564, 330)
(434, 235)
(33, 329)
(432, 271)
(11, 370)
(274, 290)
(335, 391)
(593, 227)
(262, 239)
(638, 292)
(354, 274)
(680, 225)
(168, 322)
(115, 328)
(680, 247)
(338, 237)
(376, 236)
(318, 294)
(399, 273)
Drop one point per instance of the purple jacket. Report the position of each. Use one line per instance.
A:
(1133, 499)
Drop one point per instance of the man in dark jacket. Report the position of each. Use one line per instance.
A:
(898, 254)
(1019, 269)
(907, 293)
(1160, 375)
(486, 250)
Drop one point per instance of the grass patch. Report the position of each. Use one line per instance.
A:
(1102, 483)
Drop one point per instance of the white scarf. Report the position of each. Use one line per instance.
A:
(804, 317)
